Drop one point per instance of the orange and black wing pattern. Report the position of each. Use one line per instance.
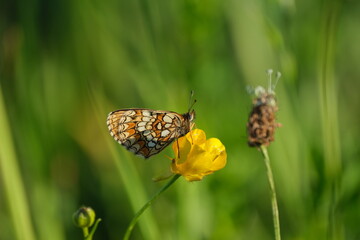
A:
(146, 132)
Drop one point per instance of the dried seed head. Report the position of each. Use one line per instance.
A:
(262, 120)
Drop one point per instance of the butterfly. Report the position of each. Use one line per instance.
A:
(146, 132)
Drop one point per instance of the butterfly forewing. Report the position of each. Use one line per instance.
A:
(147, 132)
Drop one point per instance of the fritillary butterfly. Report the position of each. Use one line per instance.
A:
(146, 132)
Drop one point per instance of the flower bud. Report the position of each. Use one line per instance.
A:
(84, 217)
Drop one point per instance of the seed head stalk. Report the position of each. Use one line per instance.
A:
(261, 129)
(274, 204)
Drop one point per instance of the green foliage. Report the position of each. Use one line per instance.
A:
(64, 65)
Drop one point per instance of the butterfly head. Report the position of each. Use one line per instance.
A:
(189, 121)
(190, 115)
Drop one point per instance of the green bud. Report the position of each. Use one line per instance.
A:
(84, 217)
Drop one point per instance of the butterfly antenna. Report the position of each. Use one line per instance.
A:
(191, 101)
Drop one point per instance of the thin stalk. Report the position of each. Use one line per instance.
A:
(85, 231)
(89, 236)
(148, 204)
(274, 204)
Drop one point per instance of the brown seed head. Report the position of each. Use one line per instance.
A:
(262, 120)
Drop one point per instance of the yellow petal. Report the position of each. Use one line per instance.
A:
(217, 149)
(184, 146)
(195, 177)
(196, 136)
(198, 156)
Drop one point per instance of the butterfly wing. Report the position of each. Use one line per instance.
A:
(145, 132)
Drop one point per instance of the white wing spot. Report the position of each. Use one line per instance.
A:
(146, 132)
(167, 119)
(146, 113)
(123, 127)
(168, 125)
(141, 129)
(158, 126)
(129, 113)
(124, 135)
(149, 137)
(165, 133)
(140, 124)
(125, 119)
(146, 119)
(122, 119)
(151, 144)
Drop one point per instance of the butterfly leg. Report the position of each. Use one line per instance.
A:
(177, 144)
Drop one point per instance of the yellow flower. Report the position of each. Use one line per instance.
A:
(198, 157)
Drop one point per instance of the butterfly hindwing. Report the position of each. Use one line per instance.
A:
(147, 132)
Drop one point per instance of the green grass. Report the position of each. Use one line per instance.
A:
(64, 65)
(13, 186)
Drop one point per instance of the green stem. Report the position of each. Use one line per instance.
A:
(90, 235)
(274, 204)
(148, 204)
(85, 232)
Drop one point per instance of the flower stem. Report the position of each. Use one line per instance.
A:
(90, 235)
(85, 231)
(148, 204)
(274, 204)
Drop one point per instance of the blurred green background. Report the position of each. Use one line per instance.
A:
(64, 65)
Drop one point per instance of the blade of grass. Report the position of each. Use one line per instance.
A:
(328, 94)
(13, 183)
(329, 113)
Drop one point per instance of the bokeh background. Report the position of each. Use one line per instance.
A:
(64, 65)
